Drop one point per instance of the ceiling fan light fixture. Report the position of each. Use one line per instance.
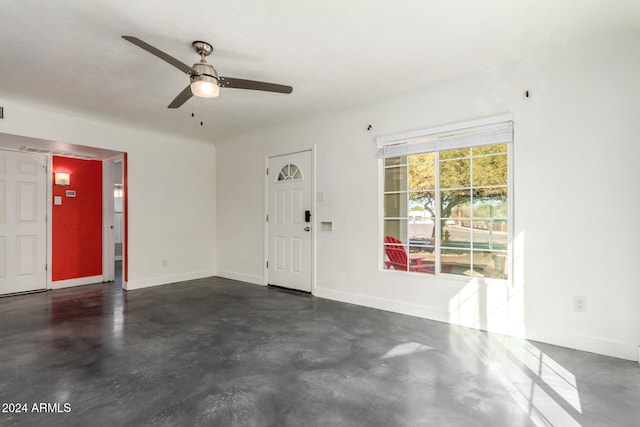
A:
(205, 84)
(204, 88)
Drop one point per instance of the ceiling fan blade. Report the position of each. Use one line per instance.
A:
(254, 85)
(182, 97)
(160, 54)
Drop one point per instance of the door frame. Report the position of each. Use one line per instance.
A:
(48, 148)
(314, 215)
(108, 219)
(49, 221)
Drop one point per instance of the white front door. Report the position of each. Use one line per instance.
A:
(23, 228)
(289, 221)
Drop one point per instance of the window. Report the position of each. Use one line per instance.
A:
(446, 201)
(289, 172)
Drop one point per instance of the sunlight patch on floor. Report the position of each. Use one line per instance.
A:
(540, 386)
(406, 349)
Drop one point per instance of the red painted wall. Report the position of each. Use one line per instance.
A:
(77, 223)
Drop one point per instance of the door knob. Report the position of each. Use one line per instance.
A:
(307, 228)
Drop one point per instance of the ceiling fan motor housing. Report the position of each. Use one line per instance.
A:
(206, 72)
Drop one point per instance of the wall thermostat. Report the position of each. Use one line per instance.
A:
(71, 193)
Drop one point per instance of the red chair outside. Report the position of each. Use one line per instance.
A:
(398, 258)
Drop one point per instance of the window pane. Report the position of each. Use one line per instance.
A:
(489, 235)
(395, 178)
(455, 202)
(421, 260)
(395, 161)
(422, 176)
(490, 170)
(493, 193)
(453, 261)
(454, 154)
(395, 205)
(455, 234)
(491, 264)
(455, 174)
(485, 207)
(425, 251)
(423, 200)
(420, 215)
(422, 232)
(422, 158)
(490, 149)
(396, 228)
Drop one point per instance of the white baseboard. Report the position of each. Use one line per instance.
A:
(256, 280)
(591, 344)
(558, 337)
(416, 310)
(166, 280)
(60, 284)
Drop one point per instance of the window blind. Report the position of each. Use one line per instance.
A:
(480, 132)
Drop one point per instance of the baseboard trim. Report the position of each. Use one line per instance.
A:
(588, 343)
(255, 280)
(166, 280)
(410, 309)
(80, 281)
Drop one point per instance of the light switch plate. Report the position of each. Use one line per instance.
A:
(57, 200)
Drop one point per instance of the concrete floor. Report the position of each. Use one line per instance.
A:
(224, 353)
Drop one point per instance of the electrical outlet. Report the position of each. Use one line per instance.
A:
(580, 304)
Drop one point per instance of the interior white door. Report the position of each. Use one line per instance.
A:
(108, 221)
(23, 228)
(289, 222)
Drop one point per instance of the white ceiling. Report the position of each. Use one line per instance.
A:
(68, 54)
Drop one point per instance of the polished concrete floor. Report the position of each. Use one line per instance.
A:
(224, 353)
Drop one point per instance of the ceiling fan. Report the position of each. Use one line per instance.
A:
(205, 82)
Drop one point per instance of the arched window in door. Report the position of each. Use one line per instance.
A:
(289, 172)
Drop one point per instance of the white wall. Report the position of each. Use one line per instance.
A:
(576, 198)
(171, 190)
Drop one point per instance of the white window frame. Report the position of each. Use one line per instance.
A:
(486, 131)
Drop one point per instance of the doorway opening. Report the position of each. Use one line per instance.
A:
(118, 220)
(69, 196)
(114, 219)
